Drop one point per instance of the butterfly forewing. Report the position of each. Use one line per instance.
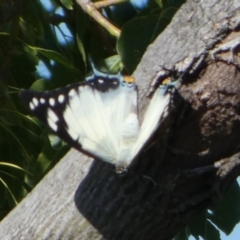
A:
(86, 124)
(89, 116)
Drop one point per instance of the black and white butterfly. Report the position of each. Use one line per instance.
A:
(99, 117)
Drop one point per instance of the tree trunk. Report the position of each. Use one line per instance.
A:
(187, 170)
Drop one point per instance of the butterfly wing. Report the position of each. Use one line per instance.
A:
(86, 115)
(157, 110)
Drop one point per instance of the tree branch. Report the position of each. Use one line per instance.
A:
(90, 9)
(160, 194)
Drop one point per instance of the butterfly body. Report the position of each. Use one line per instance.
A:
(100, 116)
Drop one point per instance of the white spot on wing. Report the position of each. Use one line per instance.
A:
(42, 100)
(52, 101)
(52, 118)
(72, 93)
(61, 98)
(52, 115)
(100, 80)
(31, 105)
(35, 102)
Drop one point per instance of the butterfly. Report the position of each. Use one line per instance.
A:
(99, 117)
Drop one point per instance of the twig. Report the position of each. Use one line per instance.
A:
(107, 3)
(90, 9)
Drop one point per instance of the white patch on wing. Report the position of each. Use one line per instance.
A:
(52, 102)
(42, 100)
(100, 80)
(52, 118)
(72, 93)
(130, 130)
(31, 105)
(121, 112)
(35, 101)
(130, 133)
(61, 98)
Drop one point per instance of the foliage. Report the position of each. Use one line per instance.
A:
(211, 222)
(29, 38)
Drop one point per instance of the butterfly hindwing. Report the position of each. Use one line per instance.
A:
(156, 112)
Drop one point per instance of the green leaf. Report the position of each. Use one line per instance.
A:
(54, 56)
(183, 235)
(204, 228)
(57, 57)
(42, 85)
(227, 215)
(9, 190)
(81, 48)
(136, 35)
(31, 22)
(55, 141)
(23, 61)
(67, 4)
(111, 64)
(14, 166)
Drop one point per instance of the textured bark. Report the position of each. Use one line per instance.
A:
(189, 167)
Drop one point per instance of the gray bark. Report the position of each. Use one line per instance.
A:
(195, 157)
